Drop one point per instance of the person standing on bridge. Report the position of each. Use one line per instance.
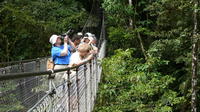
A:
(60, 53)
(90, 39)
(76, 39)
(93, 44)
(82, 55)
(87, 38)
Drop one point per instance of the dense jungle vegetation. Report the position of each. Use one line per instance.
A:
(152, 48)
(151, 61)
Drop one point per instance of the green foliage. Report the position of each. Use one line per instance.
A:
(165, 28)
(129, 84)
(119, 10)
(26, 23)
(26, 26)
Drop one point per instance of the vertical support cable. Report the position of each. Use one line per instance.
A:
(51, 90)
(22, 67)
(91, 93)
(77, 84)
(94, 83)
(94, 78)
(85, 68)
(38, 65)
(68, 84)
(37, 79)
(96, 73)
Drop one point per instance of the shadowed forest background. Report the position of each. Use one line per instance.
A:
(149, 51)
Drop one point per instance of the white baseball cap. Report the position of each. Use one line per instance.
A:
(80, 33)
(90, 38)
(53, 39)
(89, 34)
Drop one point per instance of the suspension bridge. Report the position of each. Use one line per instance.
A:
(27, 85)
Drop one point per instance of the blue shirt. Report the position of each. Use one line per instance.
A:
(70, 48)
(56, 55)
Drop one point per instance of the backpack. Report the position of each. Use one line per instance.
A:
(50, 64)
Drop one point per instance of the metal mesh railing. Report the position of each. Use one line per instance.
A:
(76, 93)
(20, 94)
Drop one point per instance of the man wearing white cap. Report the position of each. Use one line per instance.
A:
(80, 33)
(60, 53)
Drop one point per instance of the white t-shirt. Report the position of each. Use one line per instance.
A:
(75, 58)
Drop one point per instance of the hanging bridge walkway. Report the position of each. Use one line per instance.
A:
(27, 86)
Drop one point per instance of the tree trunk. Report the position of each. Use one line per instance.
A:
(130, 19)
(142, 45)
(138, 33)
(194, 60)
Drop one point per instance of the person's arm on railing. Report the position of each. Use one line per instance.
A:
(90, 57)
(76, 62)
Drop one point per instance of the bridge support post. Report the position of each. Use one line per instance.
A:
(91, 92)
(52, 90)
(69, 84)
(85, 68)
(94, 79)
(22, 67)
(77, 88)
(37, 65)
(97, 71)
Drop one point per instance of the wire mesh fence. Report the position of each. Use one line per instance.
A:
(20, 94)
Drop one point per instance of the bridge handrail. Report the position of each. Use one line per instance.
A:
(23, 61)
(29, 74)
